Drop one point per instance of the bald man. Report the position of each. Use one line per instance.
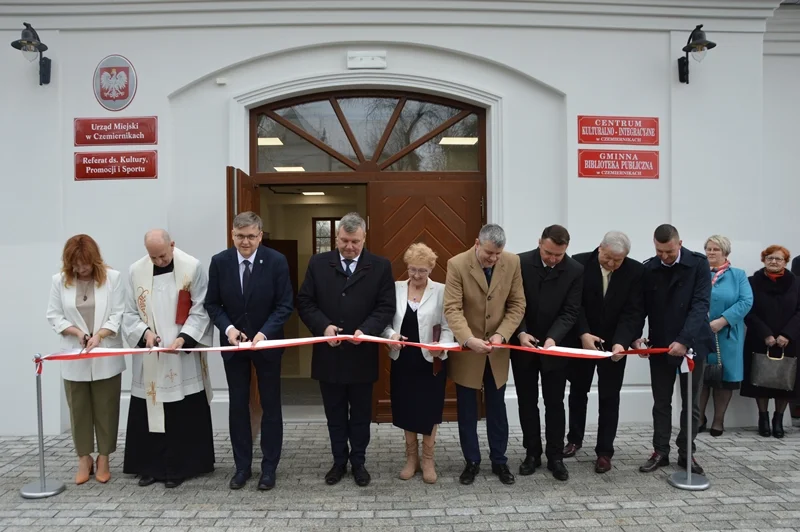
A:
(169, 436)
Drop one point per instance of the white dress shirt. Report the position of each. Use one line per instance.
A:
(352, 265)
(252, 259)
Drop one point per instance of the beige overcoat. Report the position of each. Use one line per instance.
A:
(473, 309)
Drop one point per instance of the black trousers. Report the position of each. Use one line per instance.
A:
(526, 368)
(610, 374)
(496, 419)
(268, 374)
(348, 408)
(662, 379)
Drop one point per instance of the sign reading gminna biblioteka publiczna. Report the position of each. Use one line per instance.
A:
(634, 164)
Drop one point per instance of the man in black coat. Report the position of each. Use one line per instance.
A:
(611, 318)
(347, 291)
(552, 282)
(249, 299)
(677, 295)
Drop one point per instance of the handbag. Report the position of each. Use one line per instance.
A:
(776, 373)
(713, 372)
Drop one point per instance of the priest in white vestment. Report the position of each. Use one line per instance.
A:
(169, 435)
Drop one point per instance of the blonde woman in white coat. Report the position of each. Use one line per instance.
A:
(418, 376)
(87, 300)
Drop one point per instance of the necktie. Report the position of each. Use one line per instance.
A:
(246, 276)
(347, 263)
(488, 273)
(606, 280)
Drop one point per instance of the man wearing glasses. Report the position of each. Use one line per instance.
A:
(249, 299)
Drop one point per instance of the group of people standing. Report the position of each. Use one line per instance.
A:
(597, 300)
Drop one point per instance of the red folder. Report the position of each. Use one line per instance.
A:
(184, 305)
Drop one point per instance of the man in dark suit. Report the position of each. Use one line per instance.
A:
(611, 317)
(677, 294)
(552, 282)
(348, 291)
(249, 299)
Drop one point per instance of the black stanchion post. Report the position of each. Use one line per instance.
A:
(685, 480)
(44, 487)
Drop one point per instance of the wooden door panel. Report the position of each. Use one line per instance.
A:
(444, 216)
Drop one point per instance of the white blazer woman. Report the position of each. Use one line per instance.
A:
(429, 314)
(62, 313)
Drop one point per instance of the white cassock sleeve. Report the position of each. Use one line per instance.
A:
(198, 322)
(132, 325)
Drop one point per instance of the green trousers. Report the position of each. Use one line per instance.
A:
(94, 411)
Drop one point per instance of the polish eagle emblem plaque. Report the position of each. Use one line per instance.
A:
(115, 82)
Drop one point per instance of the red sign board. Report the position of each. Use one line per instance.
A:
(107, 131)
(116, 165)
(632, 164)
(642, 131)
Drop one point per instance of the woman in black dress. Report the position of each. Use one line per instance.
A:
(773, 326)
(418, 376)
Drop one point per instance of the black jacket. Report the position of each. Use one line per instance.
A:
(677, 301)
(264, 308)
(617, 318)
(365, 301)
(553, 302)
(776, 311)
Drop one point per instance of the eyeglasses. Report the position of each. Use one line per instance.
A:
(251, 238)
(774, 259)
(414, 271)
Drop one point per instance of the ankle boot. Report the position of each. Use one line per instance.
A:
(412, 456)
(763, 424)
(777, 425)
(428, 468)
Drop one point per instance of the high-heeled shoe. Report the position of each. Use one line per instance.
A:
(702, 428)
(716, 432)
(103, 474)
(81, 477)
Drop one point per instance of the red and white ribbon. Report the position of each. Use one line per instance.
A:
(569, 352)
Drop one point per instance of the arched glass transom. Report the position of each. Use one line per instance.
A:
(361, 131)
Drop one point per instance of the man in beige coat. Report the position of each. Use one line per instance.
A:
(484, 303)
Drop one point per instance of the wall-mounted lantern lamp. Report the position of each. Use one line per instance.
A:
(31, 46)
(697, 45)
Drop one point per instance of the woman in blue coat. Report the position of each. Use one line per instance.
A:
(731, 300)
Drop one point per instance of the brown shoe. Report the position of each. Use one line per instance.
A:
(85, 469)
(412, 456)
(602, 465)
(428, 468)
(655, 461)
(571, 449)
(103, 474)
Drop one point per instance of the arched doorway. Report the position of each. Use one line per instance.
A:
(421, 160)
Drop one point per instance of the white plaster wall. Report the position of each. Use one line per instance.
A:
(543, 87)
(31, 216)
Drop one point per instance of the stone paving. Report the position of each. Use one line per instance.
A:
(755, 486)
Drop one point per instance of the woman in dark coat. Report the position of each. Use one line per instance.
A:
(773, 326)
